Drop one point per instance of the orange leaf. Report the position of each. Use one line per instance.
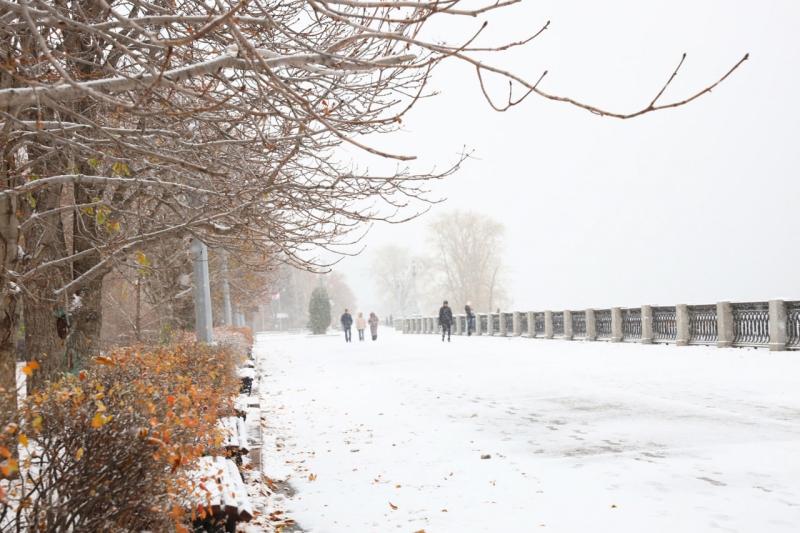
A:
(171, 400)
(23, 439)
(5, 452)
(99, 420)
(79, 454)
(104, 360)
(30, 367)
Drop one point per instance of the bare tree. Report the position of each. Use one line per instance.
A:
(127, 123)
(468, 256)
(397, 273)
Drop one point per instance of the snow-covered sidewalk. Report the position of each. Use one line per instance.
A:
(517, 435)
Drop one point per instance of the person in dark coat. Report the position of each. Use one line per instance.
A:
(470, 319)
(445, 320)
(347, 323)
(373, 325)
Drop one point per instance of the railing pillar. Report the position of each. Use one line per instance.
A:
(682, 333)
(489, 324)
(724, 325)
(548, 324)
(478, 327)
(777, 325)
(457, 318)
(591, 326)
(503, 325)
(647, 324)
(616, 324)
(531, 324)
(516, 327)
(568, 325)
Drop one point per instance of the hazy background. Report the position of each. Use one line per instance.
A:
(697, 204)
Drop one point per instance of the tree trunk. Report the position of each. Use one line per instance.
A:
(84, 337)
(9, 231)
(45, 317)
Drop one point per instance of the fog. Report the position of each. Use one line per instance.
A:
(691, 205)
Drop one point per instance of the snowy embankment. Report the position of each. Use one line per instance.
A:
(582, 437)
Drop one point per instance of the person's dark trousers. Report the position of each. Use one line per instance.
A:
(361, 334)
(446, 330)
(347, 335)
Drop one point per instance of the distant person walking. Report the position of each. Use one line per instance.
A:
(445, 320)
(470, 318)
(361, 325)
(373, 325)
(347, 323)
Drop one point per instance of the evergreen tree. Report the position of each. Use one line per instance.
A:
(319, 311)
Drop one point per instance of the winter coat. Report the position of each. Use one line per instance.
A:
(360, 322)
(347, 320)
(468, 311)
(445, 316)
(373, 323)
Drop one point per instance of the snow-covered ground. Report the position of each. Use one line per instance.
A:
(582, 437)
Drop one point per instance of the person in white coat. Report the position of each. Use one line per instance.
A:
(361, 325)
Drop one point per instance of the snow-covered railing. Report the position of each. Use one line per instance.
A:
(773, 324)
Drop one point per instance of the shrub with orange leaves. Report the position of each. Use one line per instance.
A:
(107, 450)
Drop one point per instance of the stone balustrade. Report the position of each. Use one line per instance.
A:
(773, 324)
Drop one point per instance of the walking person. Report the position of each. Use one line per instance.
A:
(361, 325)
(445, 320)
(373, 325)
(347, 323)
(470, 319)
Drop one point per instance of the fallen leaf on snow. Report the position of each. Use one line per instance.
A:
(393, 506)
(312, 477)
(486, 456)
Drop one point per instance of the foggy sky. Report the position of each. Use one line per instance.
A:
(693, 205)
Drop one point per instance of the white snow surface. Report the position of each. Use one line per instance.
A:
(583, 437)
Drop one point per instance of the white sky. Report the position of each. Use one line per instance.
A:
(692, 205)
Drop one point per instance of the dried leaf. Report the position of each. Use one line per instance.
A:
(393, 506)
(79, 454)
(29, 368)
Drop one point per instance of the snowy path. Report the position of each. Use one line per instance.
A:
(583, 437)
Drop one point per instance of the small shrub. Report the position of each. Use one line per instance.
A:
(108, 449)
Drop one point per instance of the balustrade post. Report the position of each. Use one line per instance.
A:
(531, 324)
(478, 327)
(682, 333)
(777, 325)
(516, 326)
(457, 318)
(502, 323)
(591, 326)
(489, 324)
(406, 326)
(548, 324)
(433, 325)
(418, 328)
(647, 324)
(616, 324)
(568, 325)
(724, 325)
